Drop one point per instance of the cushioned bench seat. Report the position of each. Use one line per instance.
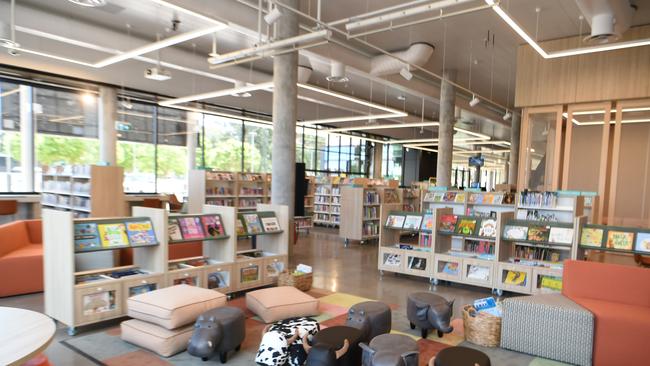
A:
(278, 303)
(157, 339)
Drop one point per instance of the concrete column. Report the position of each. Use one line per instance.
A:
(285, 105)
(193, 121)
(513, 164)
(377, 161)
(446, 129)
(27, 137)
(106, 124)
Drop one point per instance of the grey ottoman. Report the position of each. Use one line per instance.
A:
(428, 311)
(390, 349)
(371, 317)
(550, 326)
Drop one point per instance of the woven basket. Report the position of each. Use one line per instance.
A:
(302, 281)
(483, 329)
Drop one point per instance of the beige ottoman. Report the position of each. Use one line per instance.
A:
(157, 339)
(175, 306)
(278, 303)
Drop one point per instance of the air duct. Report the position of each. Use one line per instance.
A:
(608, 19)
(417, 54)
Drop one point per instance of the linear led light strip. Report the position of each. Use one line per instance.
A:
(469, 143)
(358, 137)
(387, 126)
(592, 123)
(9, 92)
(495, 4)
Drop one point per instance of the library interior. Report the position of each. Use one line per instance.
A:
(325, 182)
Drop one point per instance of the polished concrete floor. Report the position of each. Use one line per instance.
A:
(351, 270)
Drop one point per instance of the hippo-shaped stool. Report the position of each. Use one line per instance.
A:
(334, 346)
(373, 318)
(428, 311)
(390, 350)
(219, 330)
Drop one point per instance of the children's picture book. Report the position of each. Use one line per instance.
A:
(450, 268)
(561, 235)
(480, 273)
(395, 221)
(239, 227)
(488, 228)
(538, 232)
(438, 197)
(174, 230)
(99, 302)
(86, 236)
(508, 198)
(113, 235)
(460, 197)
(516, 278)
(270, 224)
(141, 289)
(475, 198)
(217, 280)
(620, 240)
(428, 197)
(249, 274)
(253, 225)
(412, 222)
(449, 197)
(498, 199)
(515, 232)
(185, 281)
(417, 263)
(466, 226)
(191, 227)
(550, 284)
(393, 260)
(448, 223)
(427, 222)
(212, 226)
(488, 199)
(592, 237)
(642, 242)
(141, 233)
(274, 269)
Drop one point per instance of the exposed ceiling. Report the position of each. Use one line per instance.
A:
(461, 43)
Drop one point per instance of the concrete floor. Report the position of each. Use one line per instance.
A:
(351, 270)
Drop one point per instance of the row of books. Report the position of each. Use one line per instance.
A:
(251, 177)
(538, 199)
(533, 253)
(594, 236)
(370, 229)
(506, 198)
(371, 212)
(195, 227)
(250, 191)
(67, 170)
(371, 198)
(321, 208)
(253, 224)
(221, 202)
(90, 236)
(323, 190)
(336, 200)
(487, 227)
(249, 202)
(220, 176)
(413, 222)
(538, 233)
(222, 191)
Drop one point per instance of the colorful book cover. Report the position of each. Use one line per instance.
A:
(438, 197)
(449, 197)
(480, 273)
(427, 222)
(516, 278)
(620, 240)
(86, 236)
(141, 233)
(141, 289)
(239, 227)
(642, 242)
(393, 260)
(249, 274)
(552, 283)
(466, 226)
(514, 232)
(253, 225)
(474, 197)
(488, 199)
(451, 268)
(498, 199)
(460, 197)
(592, 237)
(428, 197)
(395, 221)
(448, 223)
(113, 235)
(538, 233)
(191, 227)
(488, 228)
(212, 226)
(508, 198)
(417, 263)
(270, 224)
(561, 235)
(412, 222)
(173, 230)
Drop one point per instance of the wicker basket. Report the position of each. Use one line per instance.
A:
(302, 281)
(483, 329)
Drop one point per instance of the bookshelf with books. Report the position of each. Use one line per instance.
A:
(560, 206)
(327, 201)
(84, 190)
(360, 210)
(244, 191)
(79, 294)
(468, 202)
(625, 241)
(410, 198)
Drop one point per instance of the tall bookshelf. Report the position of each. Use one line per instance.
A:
(360, 213)
(244, 191)
(84, 190)
(327, 202)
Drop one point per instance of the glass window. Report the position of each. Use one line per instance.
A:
(393, 162)
(309, 138)
(222, 143)
(257, 147)
(173, 130)
(540, 155)
(136, 151)
(299, 144)
(12, 178)
(66, 129)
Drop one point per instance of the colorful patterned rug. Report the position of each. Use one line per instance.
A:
(106, 348)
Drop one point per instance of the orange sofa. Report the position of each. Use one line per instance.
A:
(21, 258)
(619, 298)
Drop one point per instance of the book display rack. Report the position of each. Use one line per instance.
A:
(84, 190)
(360, 211)
(615, 239)
(468, 202)
(410, 198)
(244, 191)
(327, 202)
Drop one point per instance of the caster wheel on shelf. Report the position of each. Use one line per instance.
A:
(499, 292)
(435, 281)
(72, 331)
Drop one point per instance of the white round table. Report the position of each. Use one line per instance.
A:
(23, 335)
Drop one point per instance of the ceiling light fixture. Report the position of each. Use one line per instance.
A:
(406, 73)
(474, 101)
(337, 73)
(563, 53)
(216, 94)
(241, 85)
(87, 98)
(507, 115)
(89, 3)
(420, 148)
(387, 126)
(273, 16)
(8, 31)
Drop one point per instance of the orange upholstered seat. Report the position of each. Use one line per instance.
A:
(619, 298)
(21, 257)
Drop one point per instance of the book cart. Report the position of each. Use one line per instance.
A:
(244, 191)
(360, 210)
(612, 239)
(327, 202)
(84, 190)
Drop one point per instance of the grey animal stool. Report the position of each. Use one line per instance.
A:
(373, 318)
(390, 350)
(427, 311)
(219, 330)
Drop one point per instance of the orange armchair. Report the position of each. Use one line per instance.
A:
(619, 298)
(21, 258)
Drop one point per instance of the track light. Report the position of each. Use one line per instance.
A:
(273, 16)
(337, 74)
(239, 85)
(406, 73)
(475, 101)
(507, 116)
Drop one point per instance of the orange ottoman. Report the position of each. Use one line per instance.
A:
(278, 303)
